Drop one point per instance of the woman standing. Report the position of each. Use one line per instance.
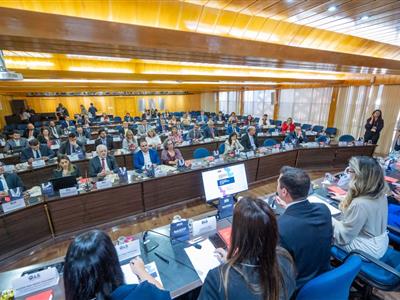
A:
(374, 127)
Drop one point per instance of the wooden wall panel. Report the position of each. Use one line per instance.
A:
(5, 109)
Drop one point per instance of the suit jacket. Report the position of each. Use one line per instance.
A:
(10, 144)
(13, 181)
(122, 130)
(65, 147)
(192, 134)
(83, 138)
(141, 130)
(109, 142)
(245, 141)
(27, 153)
(96, 168)
(302, 139)
(57, 130)
(207, 132)
(231, 130)
(138, 159)
(26, 133)
(200, 120)
(305, 231)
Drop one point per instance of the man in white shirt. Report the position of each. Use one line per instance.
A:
(264, 121)
(16, 142)
(103, 164)
(145, 157)
(8, 181)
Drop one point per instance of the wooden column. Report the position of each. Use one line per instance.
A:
(241, 102)
(216, 102)
(276, 104)
(332, 108)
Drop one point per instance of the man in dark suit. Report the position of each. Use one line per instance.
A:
(55, 130)
(30, 132)
(104, 139)
(305, 229)
(72, 145)
(249, 140)
(124, 128)
(36, 151)
(8, 181)
(195, 134)
(209, 131)
(103, 164)
(16, 143)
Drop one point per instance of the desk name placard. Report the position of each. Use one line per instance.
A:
(128, 250)
(34, 282)
(71, 191)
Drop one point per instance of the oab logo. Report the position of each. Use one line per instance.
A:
(34, 276)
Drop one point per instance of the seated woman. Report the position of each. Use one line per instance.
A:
(65, 168)
(105, 118)
(175, 136)
(249, 120)
(173, 121)
(185, 120)
(129, 142)
(288, 126)
(365, 209)
(232, 144)
(170, 155)
(152, 139)
(45, 137)
(233, 118)
(92, 271)
(255, 267)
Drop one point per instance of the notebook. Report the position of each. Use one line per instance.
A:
(46, 295)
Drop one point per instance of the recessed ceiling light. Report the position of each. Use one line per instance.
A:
(363, 18)
(332, 8)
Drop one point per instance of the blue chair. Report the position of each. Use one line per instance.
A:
(297, 124)
(318, 128)
(200, 153)
(331, 131)
(332, 285)
(383, 274)
(22, 126)
(306, 127)
(346, 138)
(221, 148)
(117, 119)
(394, 235)
(278, 122)
(322, 139)
(38, 124)
(270, 142)
(271, 130)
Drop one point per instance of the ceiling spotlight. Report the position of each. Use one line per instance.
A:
(363, 18)
(332, 8)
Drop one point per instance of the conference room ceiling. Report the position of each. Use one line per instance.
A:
(200, 45)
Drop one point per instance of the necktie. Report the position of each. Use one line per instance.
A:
(103, 164)
(37, 154)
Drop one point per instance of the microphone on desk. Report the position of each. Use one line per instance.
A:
(196, 245)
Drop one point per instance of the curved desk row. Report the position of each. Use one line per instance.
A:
(56, 216)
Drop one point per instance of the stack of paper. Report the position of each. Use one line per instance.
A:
(204, 259)
(131, 278)
(315, 199)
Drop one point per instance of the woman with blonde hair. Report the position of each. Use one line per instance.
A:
(365, 209)
(130, 143)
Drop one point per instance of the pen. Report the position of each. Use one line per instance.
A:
(162, 258)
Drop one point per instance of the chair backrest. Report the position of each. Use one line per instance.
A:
(278, 122)
(306, 127)
(331, 131)
(332, 285)
(221, 148)
(200, 153)
(322, 139)
(297, 124)
(117, 119)
(270, 142)
(346, 138)
(318, 128)
(271, 130)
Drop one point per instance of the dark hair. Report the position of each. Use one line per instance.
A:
(142, 140)
(380, 116)
(254, 240)
(92, 269)
(17, 131)
(102, 130)
(43, 129)
(33, 142)
(230, 137)
(296, 181)
(72, 135)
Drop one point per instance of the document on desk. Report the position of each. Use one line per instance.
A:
(204, 259)
(315, 199)
(131, 278)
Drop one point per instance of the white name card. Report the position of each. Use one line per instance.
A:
(204, 225)
(71, 191)
(55, 147)
(38, 163)
(9, 168)
(128, 250)
(116, 139)
(73, 157)
(104, 184)
(34, 282)
(13, 205)
(90, 142)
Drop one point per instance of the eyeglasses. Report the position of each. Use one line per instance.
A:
(349, 170)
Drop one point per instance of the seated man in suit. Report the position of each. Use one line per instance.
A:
(71, 146)
(305, 229)
(125, 127)
(55, 130)
(299, 135)
(233, 128)
(16, 143)
(30, 132)
(202, 118)
(220, 117)
(104, 139)
(195, 134)
(249, 140)
(82, 135)
(145, 157)
(8, 181)
(128, 117)
(103, 164)
(162, 126)
(143, 128)
(36, 151)
(210, 132)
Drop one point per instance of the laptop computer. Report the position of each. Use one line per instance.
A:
(63, 182)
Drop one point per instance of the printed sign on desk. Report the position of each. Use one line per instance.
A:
(128, 250)
(34, 282)
(38, 163)
(13, 204)
(204, 225)
(71, 191)
(104, 184)
(47, 189)
(225, 207)
(179, 230)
